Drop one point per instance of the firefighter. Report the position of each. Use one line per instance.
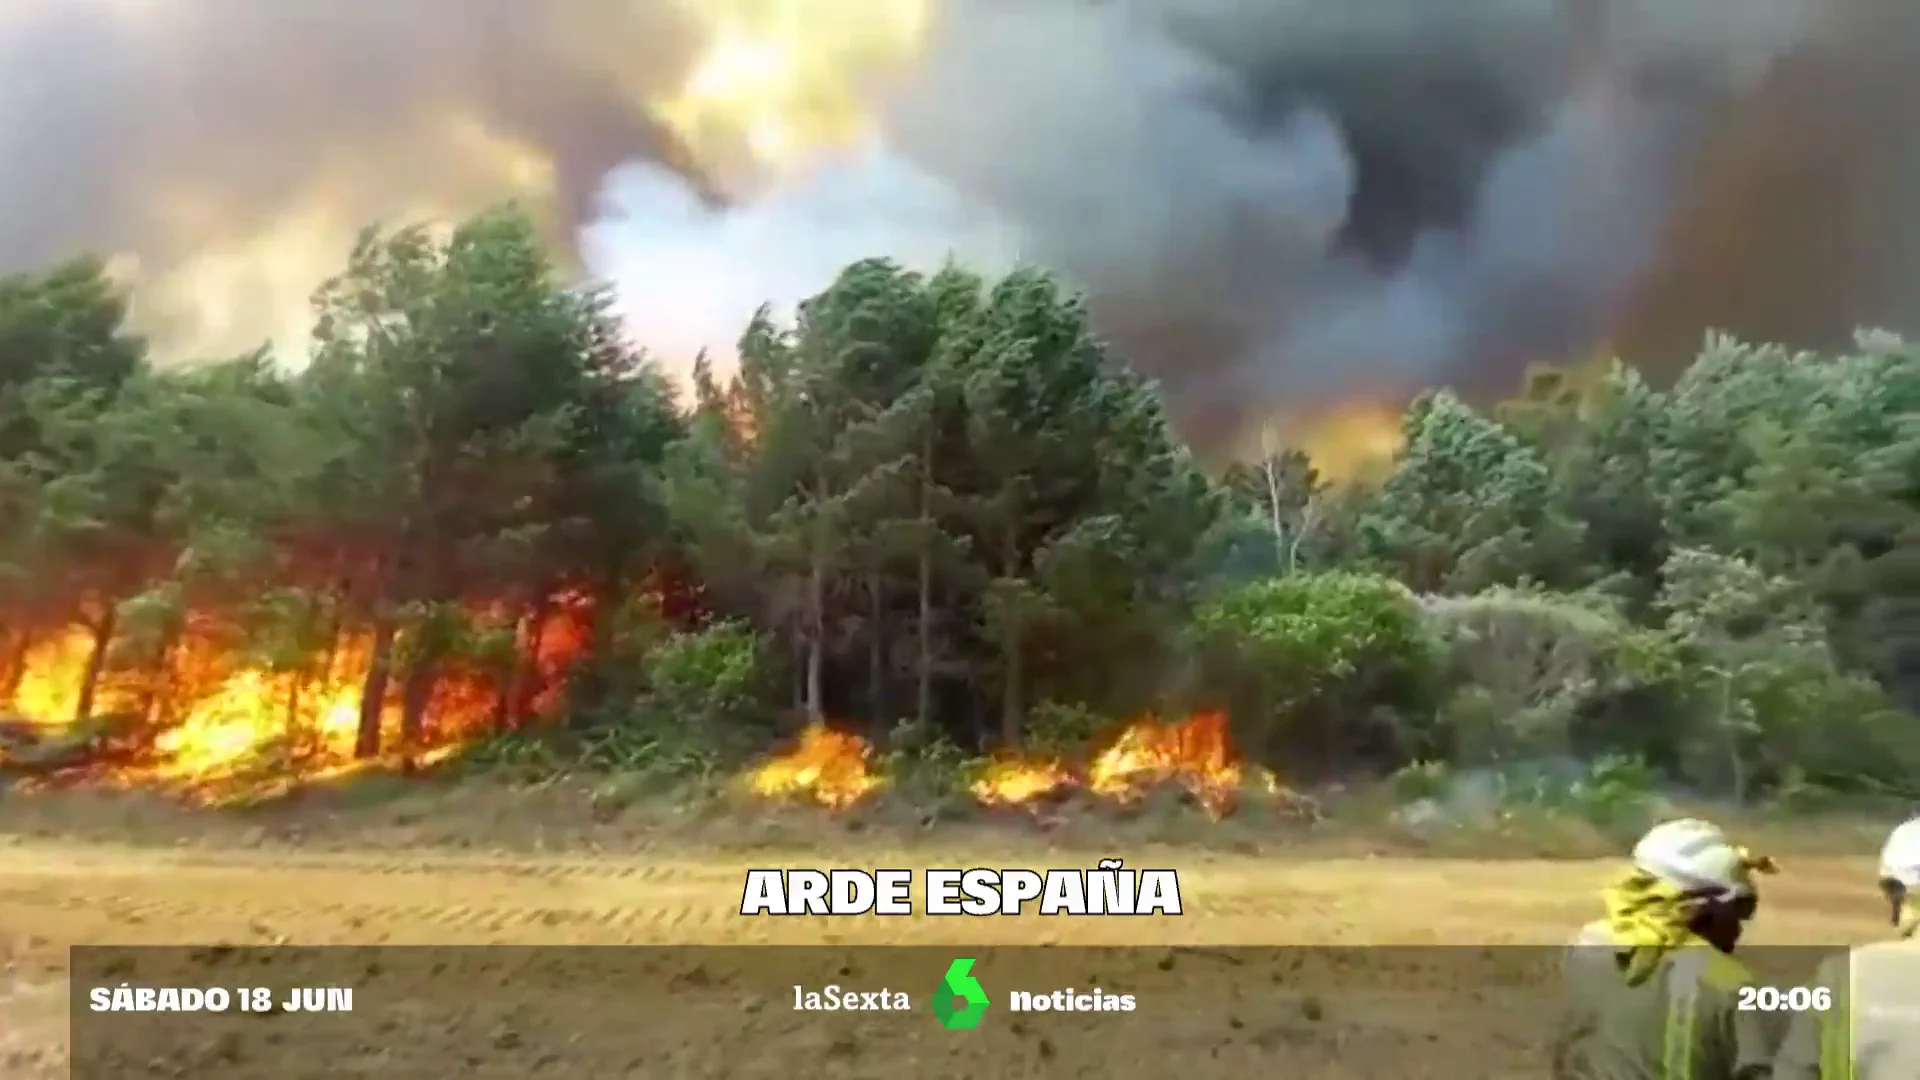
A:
(1871, 1030)
(1652, 988)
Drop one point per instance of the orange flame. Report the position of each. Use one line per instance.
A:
(1194, 752)
(834, 769)
(211, 716)
(829, 767)
(1012, 781)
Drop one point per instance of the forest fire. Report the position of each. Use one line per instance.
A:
(211, 719)
(1349, 441)
(1194, 753)
(829, 767)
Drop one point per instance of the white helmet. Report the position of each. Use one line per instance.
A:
(1697, 857)
(1900, 859)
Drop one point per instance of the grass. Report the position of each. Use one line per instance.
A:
(631, 811)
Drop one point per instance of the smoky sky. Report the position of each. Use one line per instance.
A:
(1267, 201)
(101, 111)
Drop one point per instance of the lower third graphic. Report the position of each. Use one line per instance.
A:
(961, 1001)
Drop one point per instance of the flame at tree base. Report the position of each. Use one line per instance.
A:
(210, 723)
(1193, 754)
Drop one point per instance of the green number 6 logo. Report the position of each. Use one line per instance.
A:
(960, 1002)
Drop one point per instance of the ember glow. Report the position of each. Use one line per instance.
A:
(1193, 753)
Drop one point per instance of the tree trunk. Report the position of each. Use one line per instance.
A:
(1736, 761)
(157, 703)
(330, 655)
(797, 660)
(294, 685)
(521, 687)
(923, 667)
(416, 696)
(96, 662)
(1271, 471)
(1298, 533)
(373, 692)
(1010, 704)
(17, 659)
(923, 675)
(876, 649)
(534, 682)
(816, 641)
(1011, 647)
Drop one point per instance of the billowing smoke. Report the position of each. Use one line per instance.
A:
(1268, 201)
(228, 153)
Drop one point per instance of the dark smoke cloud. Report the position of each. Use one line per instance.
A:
(1804, 221)
(1282, 200)
(1268, 200)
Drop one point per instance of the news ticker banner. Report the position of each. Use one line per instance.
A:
(747, 1012)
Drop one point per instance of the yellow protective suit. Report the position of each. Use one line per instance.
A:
(1648, 999)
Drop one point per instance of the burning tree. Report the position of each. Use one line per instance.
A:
(921, 486)
(954, 503)
(933, 497)
(401, 543)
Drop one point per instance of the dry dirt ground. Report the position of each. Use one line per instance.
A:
(1406, 1005)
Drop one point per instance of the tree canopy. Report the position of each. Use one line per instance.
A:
(940, 499)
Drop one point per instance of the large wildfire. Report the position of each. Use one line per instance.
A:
(776, 83)
(208, 723)
(1192, 754)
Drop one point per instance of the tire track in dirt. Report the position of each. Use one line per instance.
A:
(54, 897)
(42, 859)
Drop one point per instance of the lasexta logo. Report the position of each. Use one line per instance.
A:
(961, 1001)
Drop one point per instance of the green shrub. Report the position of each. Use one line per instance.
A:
(926, 766)
(702, 709)
(710, 679)
(1323, 671)
(1419, 780)
(1615, 792)
(1546, 675)
(1769, 702)
(1066, 731)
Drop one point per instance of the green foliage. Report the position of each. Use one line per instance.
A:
(1421, 779)
(1338, 664)
(702, 710)
(1468, 504)
(709, 679)
(1544, 674)
(929, 768)
(1063, 731)
(938, 496)
(1614, 792)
